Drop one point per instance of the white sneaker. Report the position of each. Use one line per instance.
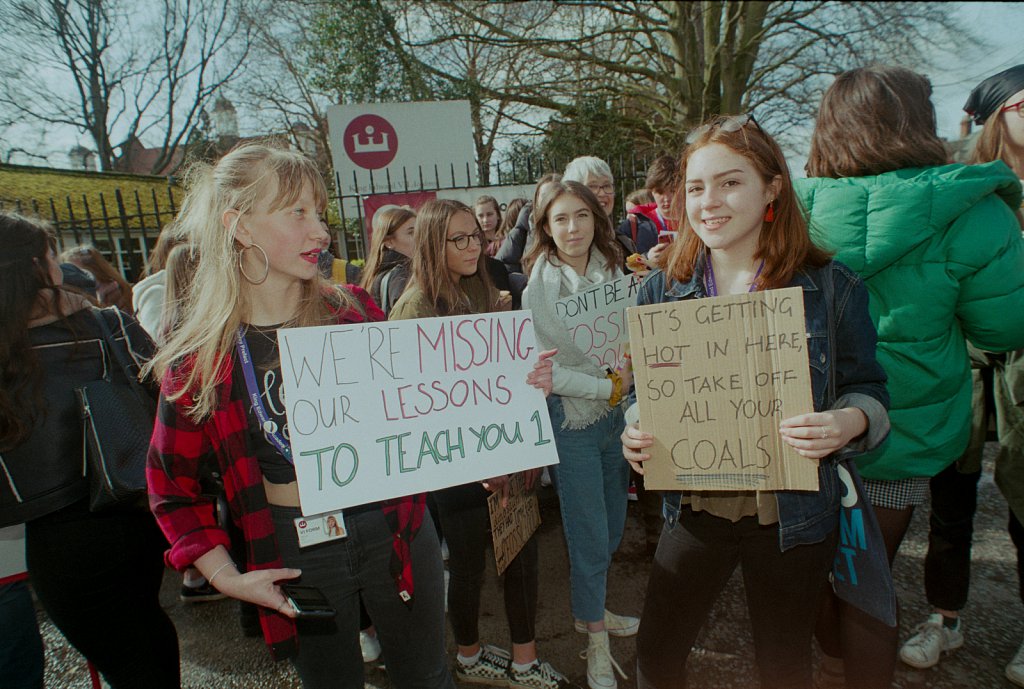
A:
(615, 625)
(601, 666)
(545, 478)
(370, 647)
(1015, 670)
(924, 649)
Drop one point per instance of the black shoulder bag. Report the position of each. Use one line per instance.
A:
(117, 414)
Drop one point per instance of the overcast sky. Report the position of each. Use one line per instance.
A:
(958, 68)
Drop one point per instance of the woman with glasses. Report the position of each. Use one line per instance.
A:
(743, 231)
(574, 249)
(998, 104)
(449, 278)
(941, 253)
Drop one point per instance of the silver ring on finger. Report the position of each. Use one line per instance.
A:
(824, 432)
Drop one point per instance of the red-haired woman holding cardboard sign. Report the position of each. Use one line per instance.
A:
(743, 231)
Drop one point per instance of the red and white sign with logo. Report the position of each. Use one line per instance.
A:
(411, 146)
(370, 142)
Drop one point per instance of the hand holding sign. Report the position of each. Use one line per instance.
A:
(634, 442)
(820, 434)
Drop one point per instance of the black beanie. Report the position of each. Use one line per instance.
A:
(987, 96)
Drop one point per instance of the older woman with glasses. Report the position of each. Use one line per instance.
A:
(594, 174)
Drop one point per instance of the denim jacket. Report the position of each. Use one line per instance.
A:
(808, 516)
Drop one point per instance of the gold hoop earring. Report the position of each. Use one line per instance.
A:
(241, 268)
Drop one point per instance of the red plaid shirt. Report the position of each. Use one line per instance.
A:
(178, 448)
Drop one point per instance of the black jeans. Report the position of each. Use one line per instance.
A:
(98, 577)
(694, 561)
(21, 648)
(466, 524)
(947, 566)
(357, 568)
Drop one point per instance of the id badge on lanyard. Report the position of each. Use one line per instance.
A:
(320, 528)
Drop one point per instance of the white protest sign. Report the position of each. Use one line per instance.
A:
(596, 319)
(714, 377)
(381, 410)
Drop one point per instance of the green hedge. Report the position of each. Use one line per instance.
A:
(35, 187)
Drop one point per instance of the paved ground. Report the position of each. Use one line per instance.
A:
(216, 655)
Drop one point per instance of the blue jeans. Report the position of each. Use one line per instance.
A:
(21, 648)
(412, 637)
(591, 479)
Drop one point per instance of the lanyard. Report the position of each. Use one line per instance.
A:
(266, 423)
(709, 278)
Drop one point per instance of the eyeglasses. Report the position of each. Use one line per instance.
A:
(606, 188)
(1018, 106)
(461, 241)
(724, 122)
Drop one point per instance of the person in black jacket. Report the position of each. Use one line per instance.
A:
(97, 574)
(518, 238)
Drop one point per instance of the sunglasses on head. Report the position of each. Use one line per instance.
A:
(727, 123)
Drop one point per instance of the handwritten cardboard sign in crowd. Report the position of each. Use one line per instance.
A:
(381, 410)
(714, 377)
(596, 319)
(514, 523)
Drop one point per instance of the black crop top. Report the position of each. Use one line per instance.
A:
(262, 343)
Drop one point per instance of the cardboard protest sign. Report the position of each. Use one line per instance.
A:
(714, 377)
(380, 410)
(597, 319)
(513, 524)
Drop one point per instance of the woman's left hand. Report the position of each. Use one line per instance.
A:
(504, 301)
(819, 434)
(540, 376)
(498, 484)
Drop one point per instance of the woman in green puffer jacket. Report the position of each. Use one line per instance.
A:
(941, 253)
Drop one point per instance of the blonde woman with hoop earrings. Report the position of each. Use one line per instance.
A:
(255, 218)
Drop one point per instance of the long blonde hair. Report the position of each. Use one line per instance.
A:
(386, 221)
(219, 296)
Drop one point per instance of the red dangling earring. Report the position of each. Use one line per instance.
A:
(769, 215)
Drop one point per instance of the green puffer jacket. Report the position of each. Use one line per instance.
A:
(942, 257)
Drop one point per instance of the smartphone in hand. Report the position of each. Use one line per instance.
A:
(308, 601)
